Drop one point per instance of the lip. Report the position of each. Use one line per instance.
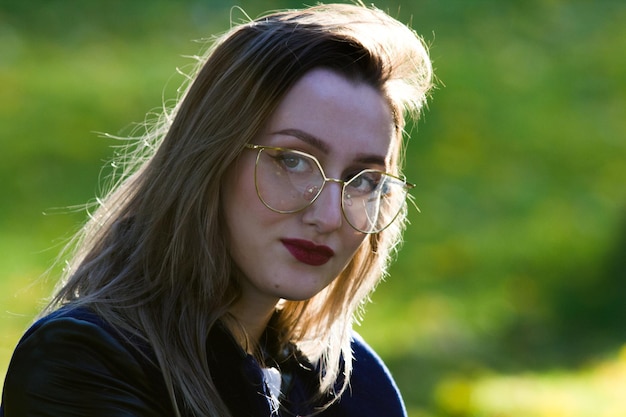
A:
(308, 252)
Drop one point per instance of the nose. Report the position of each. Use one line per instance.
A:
(325, 213)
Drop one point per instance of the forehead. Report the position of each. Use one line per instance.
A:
(345, 115)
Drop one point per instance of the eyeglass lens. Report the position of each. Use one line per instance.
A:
(288, 181)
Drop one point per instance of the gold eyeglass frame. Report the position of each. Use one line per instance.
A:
(261, 148)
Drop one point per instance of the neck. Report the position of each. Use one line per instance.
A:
(250, 322)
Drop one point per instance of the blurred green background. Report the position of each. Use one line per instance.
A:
(508, 297)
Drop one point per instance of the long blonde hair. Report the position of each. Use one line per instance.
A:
(153, 261)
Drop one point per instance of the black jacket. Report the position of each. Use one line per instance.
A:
(71, 363)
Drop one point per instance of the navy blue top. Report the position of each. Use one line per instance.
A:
(72, 363)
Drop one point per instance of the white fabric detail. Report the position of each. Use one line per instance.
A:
(273, 381)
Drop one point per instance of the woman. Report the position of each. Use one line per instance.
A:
(222, 275)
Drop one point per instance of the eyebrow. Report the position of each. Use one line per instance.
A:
(324, 148)
(306, 137)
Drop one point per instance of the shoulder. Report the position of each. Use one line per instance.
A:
(72, 363)
(71, 334)
(372, 390)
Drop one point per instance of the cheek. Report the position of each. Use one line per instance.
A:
(246, 216)
(354, 240)
(235, 198)
(238, 188)
(359, 248)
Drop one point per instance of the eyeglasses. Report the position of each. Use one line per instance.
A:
(288, 181)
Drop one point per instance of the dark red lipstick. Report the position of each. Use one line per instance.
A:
(308, 252)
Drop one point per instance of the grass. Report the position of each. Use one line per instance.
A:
(594, 390)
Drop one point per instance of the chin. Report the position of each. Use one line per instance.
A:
(299, 295)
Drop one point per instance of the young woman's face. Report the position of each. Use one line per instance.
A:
(348, 127)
